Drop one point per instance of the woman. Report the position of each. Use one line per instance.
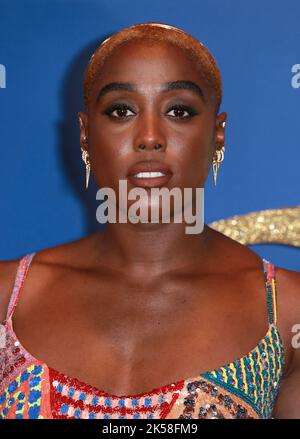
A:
(144, 320)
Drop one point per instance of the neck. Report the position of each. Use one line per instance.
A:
(139, 248)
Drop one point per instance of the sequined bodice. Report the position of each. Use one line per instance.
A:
(244, 388)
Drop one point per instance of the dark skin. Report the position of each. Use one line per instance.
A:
(138, 306)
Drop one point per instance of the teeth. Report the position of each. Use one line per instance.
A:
(149, 174)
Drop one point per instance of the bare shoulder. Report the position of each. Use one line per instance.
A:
(78, 253)
(249, 265)
(47, 264)
(8, 271)
(234, 257)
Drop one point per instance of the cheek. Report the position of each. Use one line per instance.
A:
(109, 150)
(195, 166)
(191, 152)
(108, 164)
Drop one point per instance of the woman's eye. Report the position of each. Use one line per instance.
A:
(123, 111)
(119, 111)
(182, 112)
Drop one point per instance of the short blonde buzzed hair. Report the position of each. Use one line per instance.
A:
(156, 32)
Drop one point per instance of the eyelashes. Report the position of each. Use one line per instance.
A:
(121, 108)
(121, 111)
(183, 108)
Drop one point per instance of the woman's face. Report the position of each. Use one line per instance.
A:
(182, 120)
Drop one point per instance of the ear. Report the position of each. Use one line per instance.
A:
(220, 130)
(83, 125)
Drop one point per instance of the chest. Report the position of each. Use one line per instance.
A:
(127, 336)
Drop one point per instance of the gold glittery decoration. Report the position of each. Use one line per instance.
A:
(280, 226)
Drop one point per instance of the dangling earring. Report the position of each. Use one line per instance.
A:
(85, 158)
(217, 162)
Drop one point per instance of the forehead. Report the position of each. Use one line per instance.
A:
(147, 62)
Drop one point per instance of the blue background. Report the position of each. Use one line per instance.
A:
(45, 46)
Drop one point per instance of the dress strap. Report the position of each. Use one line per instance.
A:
(22, 270)
(271, 290)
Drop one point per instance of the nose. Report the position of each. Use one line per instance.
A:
(156, 146)
(150, 135)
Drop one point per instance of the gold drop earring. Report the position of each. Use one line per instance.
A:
(217, 160)
(86, 159)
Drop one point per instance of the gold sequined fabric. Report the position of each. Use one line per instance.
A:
(281, 226)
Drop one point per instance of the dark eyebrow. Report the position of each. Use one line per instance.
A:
(127, 86)
(174, 85)
(186, 85)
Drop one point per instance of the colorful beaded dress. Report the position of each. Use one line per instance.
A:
(244, 388)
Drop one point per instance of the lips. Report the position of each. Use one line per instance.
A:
(149, 174)
(149, 166)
